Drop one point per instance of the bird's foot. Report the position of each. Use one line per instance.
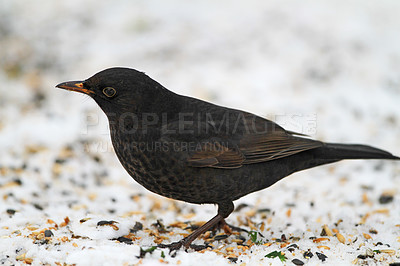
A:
(186, 242)
(199, 247)
(173, 246)
(182, 243)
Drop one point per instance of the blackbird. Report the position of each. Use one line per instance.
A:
(195, 151)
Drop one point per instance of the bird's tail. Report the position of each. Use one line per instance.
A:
(336, 151)
(333, 152)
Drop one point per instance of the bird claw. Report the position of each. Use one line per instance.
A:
(173, 246)
(177, 245)
(199, 247)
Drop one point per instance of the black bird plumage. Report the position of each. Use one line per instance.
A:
(191, 150)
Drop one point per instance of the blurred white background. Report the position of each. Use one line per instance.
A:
(330, 69)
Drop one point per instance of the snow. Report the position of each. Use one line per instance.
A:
(327, 69)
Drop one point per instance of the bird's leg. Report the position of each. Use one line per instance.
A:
(222, 225)
(224, 209)
(185, 242)
(205, 227)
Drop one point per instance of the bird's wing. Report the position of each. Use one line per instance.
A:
(216, 154)
(262, 141)
(261, 148)
(251, 149)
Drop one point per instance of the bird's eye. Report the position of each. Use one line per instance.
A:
(109, 91)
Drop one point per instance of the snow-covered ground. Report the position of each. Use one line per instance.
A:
(325, 68)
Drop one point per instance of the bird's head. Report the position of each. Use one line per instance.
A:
(119, 90)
